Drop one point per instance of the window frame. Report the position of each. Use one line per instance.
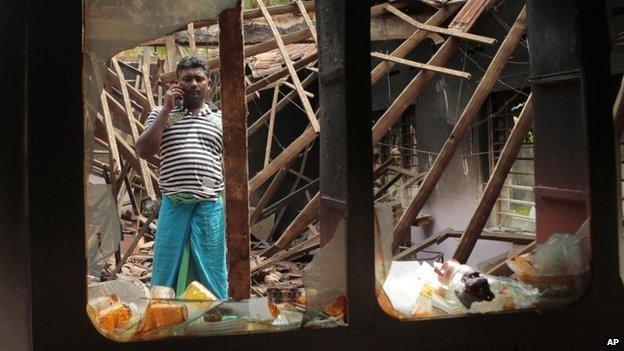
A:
(57, 261)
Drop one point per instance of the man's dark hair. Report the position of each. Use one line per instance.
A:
(191, 62)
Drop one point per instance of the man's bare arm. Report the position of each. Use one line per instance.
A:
(149, 142)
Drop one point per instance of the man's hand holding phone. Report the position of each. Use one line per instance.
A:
(173, 94)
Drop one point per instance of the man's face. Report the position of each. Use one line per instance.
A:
(194, 83)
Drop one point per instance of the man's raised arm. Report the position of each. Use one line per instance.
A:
(149, 142)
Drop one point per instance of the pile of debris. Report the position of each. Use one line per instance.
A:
(126, 310)
(555, 274)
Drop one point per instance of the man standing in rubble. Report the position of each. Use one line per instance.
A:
(188, 135)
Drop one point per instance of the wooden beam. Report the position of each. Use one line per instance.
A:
(424, 66)
(138, 100)
(113, 152)
(125, 150)
(469, 14)
(285, 101)
(518, 238)
(309, 213)
(269, 142)
(400, 188)
(289, 153)
(293, 187)
(147, 81)
(291, 68)
(618, 111)
(410, 43)
(292, 86)
(306, 18)
(288, 198)
(379, 170)
(235, 150)
(309, 244)
(191, 38)
(495, 184)
(388, 185)
(434, 29)
(379, 10)
(170, 46)
(468, 116)
(143, 168)
(268, 194)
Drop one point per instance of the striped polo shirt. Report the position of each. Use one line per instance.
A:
(191, 153)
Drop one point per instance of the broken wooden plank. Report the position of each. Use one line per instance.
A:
(235, 151)
(434, 29)
(410, 43)
(269, 142)
(444, 70)
(469, 13)
(143, 168)
(263, 82)
(468, 116)
(291, 68)
(285, 101)
(306, 18)
(495, 184)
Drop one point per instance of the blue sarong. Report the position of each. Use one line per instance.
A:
(201, 222)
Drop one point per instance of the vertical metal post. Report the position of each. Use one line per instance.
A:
(560, 139)
(346, 146)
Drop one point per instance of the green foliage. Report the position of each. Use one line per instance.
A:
(523, 210)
